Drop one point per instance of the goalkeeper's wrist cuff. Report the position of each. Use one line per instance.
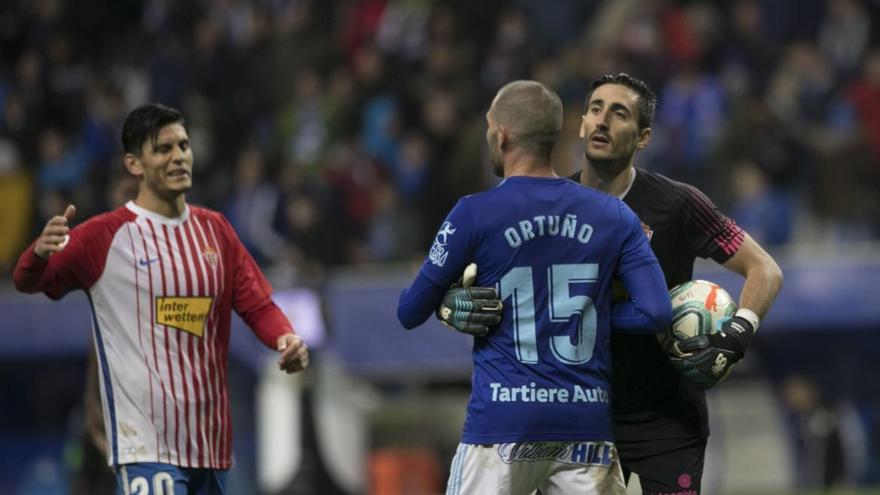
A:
(749, 316)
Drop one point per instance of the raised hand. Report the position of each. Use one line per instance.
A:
(55, 234)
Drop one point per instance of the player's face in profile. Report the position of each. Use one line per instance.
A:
(495, 158)
(610, 125)
(167, 163)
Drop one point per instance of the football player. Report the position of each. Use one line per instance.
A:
(162, 277)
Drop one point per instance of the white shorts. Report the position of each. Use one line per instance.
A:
(555, 468)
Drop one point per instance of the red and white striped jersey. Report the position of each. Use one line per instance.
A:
(161, 291)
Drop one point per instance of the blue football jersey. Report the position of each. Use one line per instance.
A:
(551, 247)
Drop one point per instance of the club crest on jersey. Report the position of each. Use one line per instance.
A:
(438, 253)
(184, 313)
(648, 231)
(211, 257)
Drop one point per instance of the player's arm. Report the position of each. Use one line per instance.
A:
(252, 300)
(417, 302)
(40, 267)
(717, 236)
(763, 277)
(435, 289)
(710, 357)
(470, 310)
(762, 284)
(648, 310)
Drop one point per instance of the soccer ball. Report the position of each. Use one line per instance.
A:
(699, 307)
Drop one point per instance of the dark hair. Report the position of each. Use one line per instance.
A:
(533, 112)
(145, 122)
(647, 98)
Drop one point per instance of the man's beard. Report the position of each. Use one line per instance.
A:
(609, 166)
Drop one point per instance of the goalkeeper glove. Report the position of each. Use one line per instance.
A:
(708, 359)
(470, 310)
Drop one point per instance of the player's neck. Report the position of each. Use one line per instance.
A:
(172, 207)
(615, 183)
(529, 166)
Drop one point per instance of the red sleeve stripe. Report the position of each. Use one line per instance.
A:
(723, 231)
(734, 238)
(704, 213)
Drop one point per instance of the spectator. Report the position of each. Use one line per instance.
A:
(251, 207)
(349, 90)
(15, 210)
(819, 450)
(766, 213)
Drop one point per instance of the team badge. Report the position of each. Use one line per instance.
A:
(211, 257)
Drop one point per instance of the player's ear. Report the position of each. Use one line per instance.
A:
(133, 164)
(503, 138)
(583, 131)
(644, 138)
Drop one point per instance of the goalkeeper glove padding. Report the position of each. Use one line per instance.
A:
(708, 359)
(470, 310)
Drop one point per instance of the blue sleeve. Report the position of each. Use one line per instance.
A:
(649, 309)
(451, 251)
(418, 302)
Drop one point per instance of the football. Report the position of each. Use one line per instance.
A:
(699, 307)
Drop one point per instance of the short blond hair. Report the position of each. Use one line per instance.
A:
(532, 112)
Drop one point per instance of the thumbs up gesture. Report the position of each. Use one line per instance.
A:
(55, 234)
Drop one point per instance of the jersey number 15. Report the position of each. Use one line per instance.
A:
(519, 285)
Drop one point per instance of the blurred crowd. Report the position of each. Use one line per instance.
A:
(340, 132)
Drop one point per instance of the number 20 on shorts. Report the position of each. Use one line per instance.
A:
(163, 484)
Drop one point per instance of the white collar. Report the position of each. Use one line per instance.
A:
(152, 215)
(632, 179)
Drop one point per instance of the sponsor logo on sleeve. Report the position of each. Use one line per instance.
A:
(438, 253)
(184, 313)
